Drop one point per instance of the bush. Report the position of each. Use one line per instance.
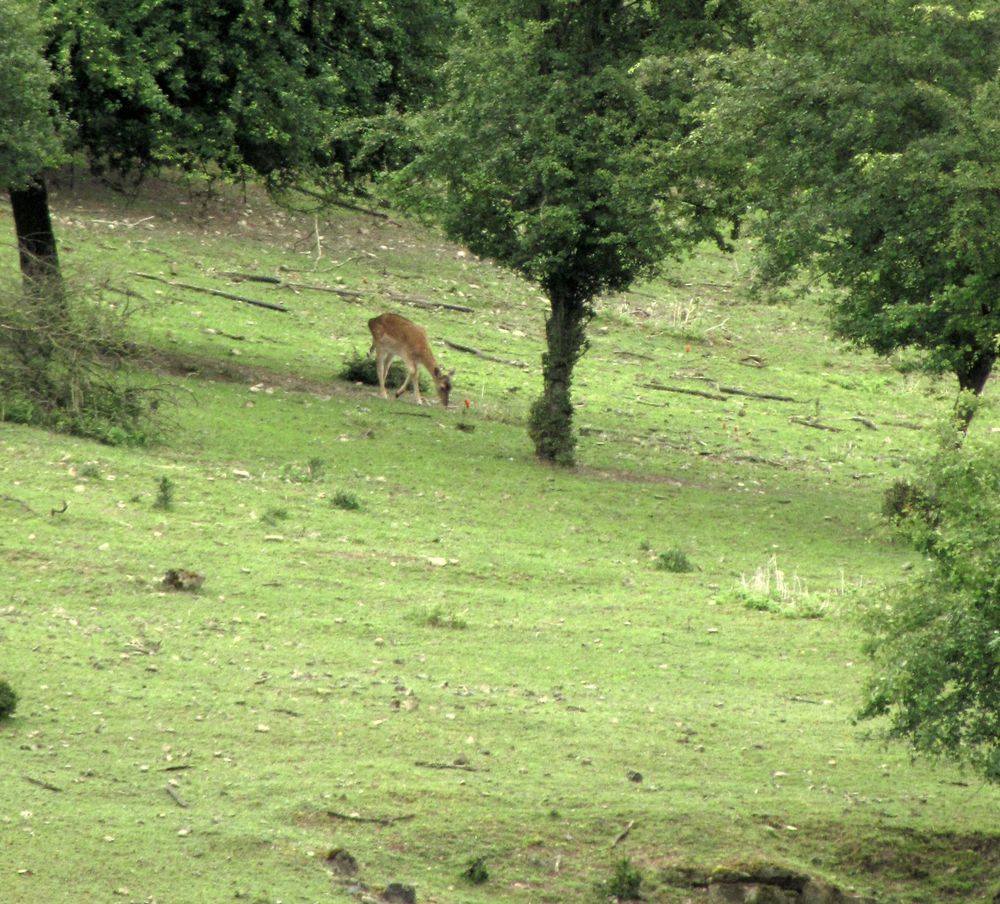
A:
(164, 500)
(935, 638)
(476, 872)
(63, 366)
(674, 560)
(624, 883)
(346, 501)
(8, 700)
(361, 369)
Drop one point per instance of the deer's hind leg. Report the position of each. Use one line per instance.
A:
(382, 361)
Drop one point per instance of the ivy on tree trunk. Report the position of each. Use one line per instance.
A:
(551, 422)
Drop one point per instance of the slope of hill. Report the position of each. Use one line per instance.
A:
(414, 649)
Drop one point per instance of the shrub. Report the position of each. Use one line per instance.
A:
(934, 639)
(361, 369)
(346, 501)
(164, 500)
(8, 700)
(624, 883)
(64, 366)
(476, 872)
(674, 560)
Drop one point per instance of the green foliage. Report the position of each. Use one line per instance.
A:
(278, 89)
(30, 142)
(311, 472)
(348, 502)
(361, 369)
(438, 617)
(274, 515)
(8, 699)
(63, 364)
(870, 131)
(674, 560)
(549, 155)
(625, 882)
(476, 872)
(935, 639)
(164, 494)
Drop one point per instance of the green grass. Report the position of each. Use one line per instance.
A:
(469, 665)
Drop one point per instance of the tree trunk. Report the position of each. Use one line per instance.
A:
(551, 422)
(36, 242)
(973, 379)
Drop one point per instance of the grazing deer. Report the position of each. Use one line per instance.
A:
(393, 336)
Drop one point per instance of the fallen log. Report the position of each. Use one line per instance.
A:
(814, 423)
(714, 396)
(468, 349)
(230, 295)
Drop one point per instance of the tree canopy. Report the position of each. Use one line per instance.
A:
(551, 152)
(28, 137)
(273, 88)
(869, 132)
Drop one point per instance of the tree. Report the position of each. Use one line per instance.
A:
(935, 639)
(551, 152)
(28, 136)
(870, 135)
(277, 89)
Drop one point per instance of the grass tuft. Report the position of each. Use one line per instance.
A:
(8, 699)
(674, 560)
(348, 502)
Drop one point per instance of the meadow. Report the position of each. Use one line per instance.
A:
(418, 656)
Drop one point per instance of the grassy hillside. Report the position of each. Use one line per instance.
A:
(416, 645)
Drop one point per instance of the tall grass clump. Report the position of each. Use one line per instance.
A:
(769, 589)
(64, 360)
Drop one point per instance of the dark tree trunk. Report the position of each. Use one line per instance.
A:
(36, 242)
(975, 376)
(551, 423)
(973, 379)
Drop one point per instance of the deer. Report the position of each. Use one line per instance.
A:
(394, 336)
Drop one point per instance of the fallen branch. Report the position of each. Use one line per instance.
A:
(623, 834)
(813, 422)
(19, 502)
(468, 349)
(464, 767)
(865, 422)
(769, 396)
(315, 287)
(714, 396)
(192, 288)
(346, 205)
(38, 782)
(59, 511)
(429, 305)
(377, 820)
(176, 798)
(251, 277)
